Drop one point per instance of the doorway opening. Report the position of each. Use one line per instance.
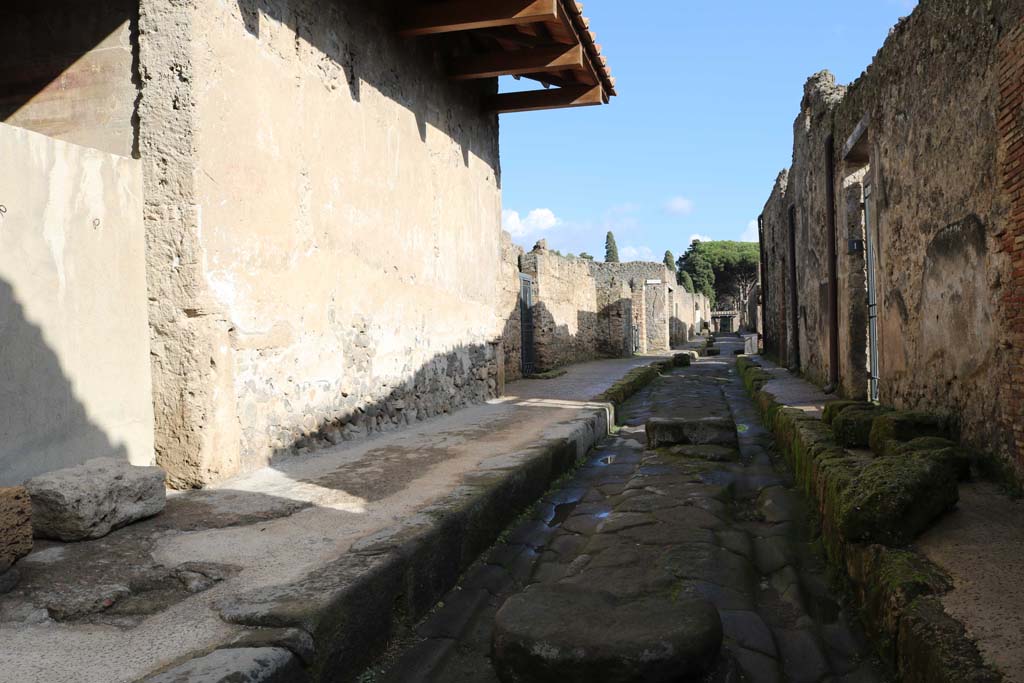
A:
(869, 249)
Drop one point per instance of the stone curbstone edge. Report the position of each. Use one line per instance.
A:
(339, 618)
(896, 589)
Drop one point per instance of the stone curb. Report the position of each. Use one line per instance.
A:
(896, 589)
(344, 613)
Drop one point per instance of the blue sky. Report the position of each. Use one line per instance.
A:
(708, 92)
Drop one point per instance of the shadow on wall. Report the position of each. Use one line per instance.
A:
(42, 41)
(43, 425)
(317, 22)
(603, 334)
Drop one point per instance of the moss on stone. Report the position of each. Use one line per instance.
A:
(852, 427)
(905, 425)
(892, 500)
(933, 647)
(885, 581)
(938, 448)
(834, 408)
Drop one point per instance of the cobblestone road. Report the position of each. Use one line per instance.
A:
(712, 522)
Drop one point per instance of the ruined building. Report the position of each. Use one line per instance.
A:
(236, 228)
(893, 248)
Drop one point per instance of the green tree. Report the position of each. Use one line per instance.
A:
(611, 251)
(670, 261)
(732, 267)
(586, 256)
(683, 278)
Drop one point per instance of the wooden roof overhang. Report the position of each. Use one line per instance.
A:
(548, 41)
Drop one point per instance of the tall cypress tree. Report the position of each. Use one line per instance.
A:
(611, 251)
(670, 261)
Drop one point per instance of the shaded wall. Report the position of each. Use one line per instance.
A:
(565, 311)
(323, 217)
(74, 340)
(935, 137)
(510, 316)
(67, 69)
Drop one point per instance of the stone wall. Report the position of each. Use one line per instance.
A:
(74, 340)
(927, 127)
(67, 70)
(614, 318)
(775, 275)
(565, 309)
(323, 217)
(510, 316)
(1010, 117)
(657, 316)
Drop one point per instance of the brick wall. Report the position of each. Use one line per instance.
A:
(1011, 132)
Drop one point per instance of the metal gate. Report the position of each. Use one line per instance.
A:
(869, 249)
(526, 322)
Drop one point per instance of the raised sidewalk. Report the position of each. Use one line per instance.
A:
(978, 546)
(306, 568)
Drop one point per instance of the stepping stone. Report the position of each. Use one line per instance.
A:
(93, 499)
(663, 431)
(572, 635)
(15, 526)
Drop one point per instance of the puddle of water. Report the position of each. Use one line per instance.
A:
(562, 513)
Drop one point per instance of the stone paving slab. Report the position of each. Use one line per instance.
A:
(271, 556)
(635, 524)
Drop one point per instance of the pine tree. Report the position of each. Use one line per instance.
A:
(611, 251)
(670, 261)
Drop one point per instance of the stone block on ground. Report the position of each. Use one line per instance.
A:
(834, 408)
(15, 525)
(892, 500)
(852, 427)
(570, 634)
(690, 431)
(682, 360)
(937, 447)
(93, 499)
(712, 351)
(905, 425)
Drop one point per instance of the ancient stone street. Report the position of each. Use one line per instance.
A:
(679, 528)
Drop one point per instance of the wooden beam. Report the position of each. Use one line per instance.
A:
(518, 62)
(468, 15)
(554, 98)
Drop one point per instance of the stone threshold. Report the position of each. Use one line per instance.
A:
(897, 589)
(332, 622)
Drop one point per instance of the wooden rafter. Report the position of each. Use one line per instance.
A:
(513, 63)
(554, 98)
(468, 15)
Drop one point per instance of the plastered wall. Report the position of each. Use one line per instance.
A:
(323, 212)
(74, 339)
(67, 70)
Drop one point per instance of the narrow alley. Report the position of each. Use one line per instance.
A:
(703, 554)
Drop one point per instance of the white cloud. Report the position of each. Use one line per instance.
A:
(636, 254)
(681, 206)
(702, 238)
(536, 221)
(750, 234)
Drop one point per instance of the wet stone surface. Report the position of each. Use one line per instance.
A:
(678, 525)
